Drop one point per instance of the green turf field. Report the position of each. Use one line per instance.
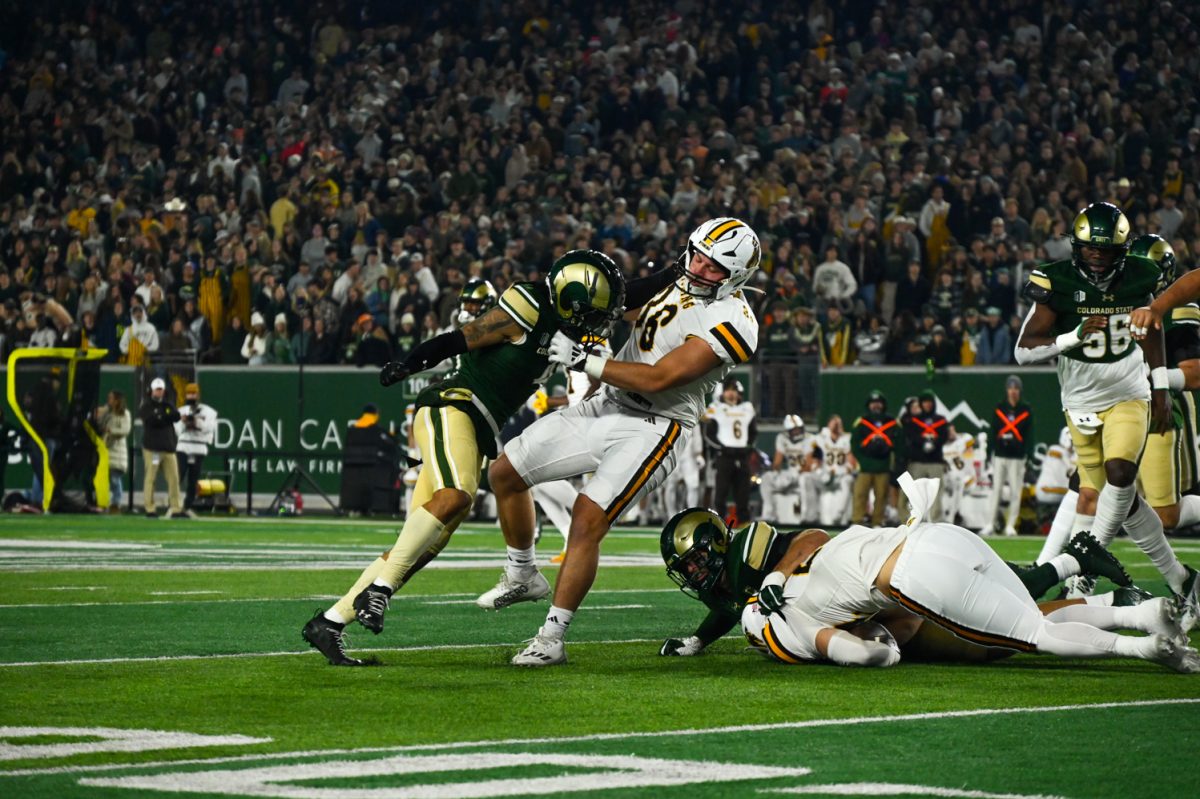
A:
(147, 657)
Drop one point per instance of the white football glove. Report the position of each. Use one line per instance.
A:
(673, 647)
(566, 351)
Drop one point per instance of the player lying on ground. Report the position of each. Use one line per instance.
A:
(941, 572)
(724, 569)
(502, 359)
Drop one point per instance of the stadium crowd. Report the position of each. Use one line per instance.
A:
(269, 183)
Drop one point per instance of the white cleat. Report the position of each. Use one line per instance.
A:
(1170, 653)
(1160, 616)
(510, 592)
(541, 651)
(1188, 602)
(1010, 531)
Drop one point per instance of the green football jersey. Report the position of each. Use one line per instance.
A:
(1108, 367)
(1074, 298)
(491, 384)
(753, 550)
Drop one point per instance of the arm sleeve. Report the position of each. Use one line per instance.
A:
(641, 291)
(435, 350)
(845, 649)
(715, 625)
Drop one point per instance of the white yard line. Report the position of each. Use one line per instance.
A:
(612, 736)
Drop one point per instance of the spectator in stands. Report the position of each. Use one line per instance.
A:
(254, 346)
(837, 338)
(995, 344)
(833, 282)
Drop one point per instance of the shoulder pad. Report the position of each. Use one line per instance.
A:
(759, 537)
(1036, 292)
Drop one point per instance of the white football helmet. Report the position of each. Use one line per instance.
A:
(733, 245)
(793, 425)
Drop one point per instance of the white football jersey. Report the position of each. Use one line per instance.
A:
(733, 423)
(665, 324)
(794, 452)
(1057, 466)
(839, 585)
(836, 452)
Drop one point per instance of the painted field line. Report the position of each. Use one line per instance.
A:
(611, 736)
(293, 653)
(420, 599)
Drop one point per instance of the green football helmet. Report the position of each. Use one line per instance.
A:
(695, 544)
(588, 290)
(476, 298)
(1099, 242)
(1159, 250)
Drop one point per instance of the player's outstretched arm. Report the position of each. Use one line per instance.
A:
(1182, 291)
(691, 361)
(845, 649)
(1155, 350)
(494, 327)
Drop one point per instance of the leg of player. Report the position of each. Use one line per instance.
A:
(993, 499)
(950, 577)
(1060, 528)
(589, 524)
(556, 499)
(1016, 486)
(521, 581)
(1083, 555)
(1155, 616)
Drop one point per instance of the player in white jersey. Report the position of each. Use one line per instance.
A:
(944, 574)
(731, 428)
(630, 435)
(1053, 481)
(826, 488)
(958, 475)
(780, 487)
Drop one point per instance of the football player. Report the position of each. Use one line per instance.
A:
(731, 428)
(456, 424)
(960, 474)
(1054, 480)
(630, 434)
(780, 487)
(1081, 311)
(826, 487)
(724, 569)
(1159, 479)
(946, 575)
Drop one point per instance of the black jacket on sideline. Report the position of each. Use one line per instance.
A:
(1012, 430)
(159, 418)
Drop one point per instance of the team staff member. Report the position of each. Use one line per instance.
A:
(925, 434)
(731, 429)
(159, 443)
(1012, 426)
(876, 441)
(196, 428)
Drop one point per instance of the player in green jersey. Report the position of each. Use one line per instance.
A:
(503, 358)
(1081, 312)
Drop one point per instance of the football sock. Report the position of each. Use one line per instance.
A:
(1146, 530)
(1100, 600)
(1111, 510)
(557, 621)
(343, 611)
(1081, 523)
(1075, 640)
(1189, 511)
(521, 564)
(1060, 528)
(421, 531)
(1039, 579)
(1138, 617)
(1064, 565)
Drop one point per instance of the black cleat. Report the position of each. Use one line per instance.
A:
(370, 605)
(1095, 559)
(327, 638)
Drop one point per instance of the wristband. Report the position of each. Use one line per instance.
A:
(1175, 379)
(1159, 380)
(1068, 341)
(594, 366)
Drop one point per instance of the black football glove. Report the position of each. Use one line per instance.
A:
(770, 599)
(393, 373)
